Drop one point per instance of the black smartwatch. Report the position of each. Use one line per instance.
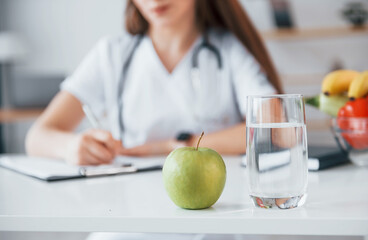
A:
(184, 137)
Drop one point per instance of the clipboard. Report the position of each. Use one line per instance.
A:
(49, 170)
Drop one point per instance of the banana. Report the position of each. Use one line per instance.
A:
(359, 86)
(338, 81)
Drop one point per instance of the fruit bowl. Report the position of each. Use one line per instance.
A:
(351, 134)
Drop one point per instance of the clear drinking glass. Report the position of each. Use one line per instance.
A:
(277, 154)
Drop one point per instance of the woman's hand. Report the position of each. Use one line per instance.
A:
(93, 147)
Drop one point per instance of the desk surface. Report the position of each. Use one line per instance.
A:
(337, 204)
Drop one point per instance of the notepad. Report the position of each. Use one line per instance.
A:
(53, 170)
(319, 158)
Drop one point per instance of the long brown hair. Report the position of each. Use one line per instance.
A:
(223, 14)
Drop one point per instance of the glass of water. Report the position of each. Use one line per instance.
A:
(277, 151)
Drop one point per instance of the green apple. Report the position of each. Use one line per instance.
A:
(194, 178)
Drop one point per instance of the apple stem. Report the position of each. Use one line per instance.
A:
(199, 140)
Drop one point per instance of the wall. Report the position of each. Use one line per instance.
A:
(58, 33)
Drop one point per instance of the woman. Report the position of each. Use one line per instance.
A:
(143, 85)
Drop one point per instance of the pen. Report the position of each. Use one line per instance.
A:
(91, 117)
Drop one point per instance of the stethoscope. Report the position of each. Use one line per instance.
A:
(195, 76)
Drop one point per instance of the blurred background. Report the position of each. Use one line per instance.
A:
(43, 41)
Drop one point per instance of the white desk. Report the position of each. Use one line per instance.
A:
(337, 205)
